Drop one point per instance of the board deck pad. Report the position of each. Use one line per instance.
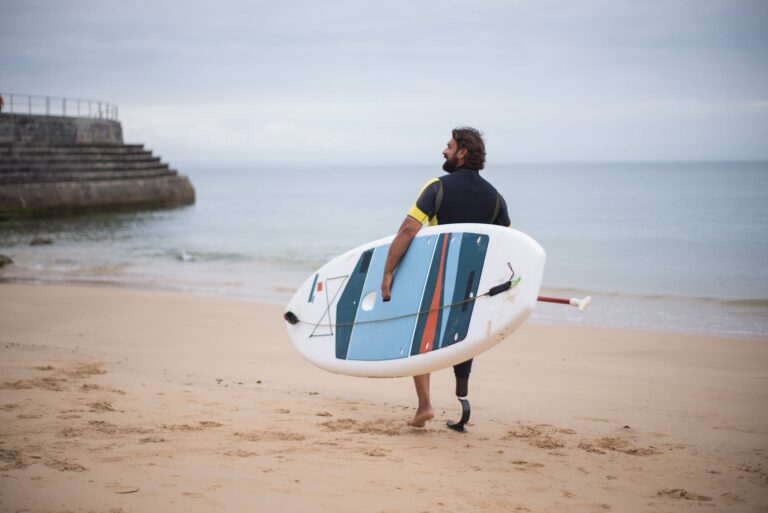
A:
(437, 264)
(346, 327)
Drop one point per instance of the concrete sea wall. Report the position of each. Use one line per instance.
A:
(52, 165)
(58, 130)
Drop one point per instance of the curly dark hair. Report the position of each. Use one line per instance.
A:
(471, 140)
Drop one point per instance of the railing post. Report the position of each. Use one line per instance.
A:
(18, 103)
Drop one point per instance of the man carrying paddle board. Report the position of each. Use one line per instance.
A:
(461, 196)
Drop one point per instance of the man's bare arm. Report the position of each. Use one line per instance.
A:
(397, 249)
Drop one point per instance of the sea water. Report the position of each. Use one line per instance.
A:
(660, 246)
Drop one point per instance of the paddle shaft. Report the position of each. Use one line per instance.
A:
(581, 304)
(559, 300)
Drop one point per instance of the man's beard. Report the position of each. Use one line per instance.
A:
(450, 165)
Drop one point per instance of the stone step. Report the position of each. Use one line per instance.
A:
(66, 165)
(74, 177)
(11, 144)
(83, 158)
(11, 150)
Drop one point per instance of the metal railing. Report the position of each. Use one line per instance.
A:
(14, 103)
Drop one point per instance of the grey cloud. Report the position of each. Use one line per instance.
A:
(558, 80)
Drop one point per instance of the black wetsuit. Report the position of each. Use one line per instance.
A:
(462, 196)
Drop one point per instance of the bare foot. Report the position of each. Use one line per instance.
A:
(421, 417)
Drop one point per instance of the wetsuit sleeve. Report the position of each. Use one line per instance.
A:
(425, 208)
(502, 218)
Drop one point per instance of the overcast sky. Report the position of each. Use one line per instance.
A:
(384, 82)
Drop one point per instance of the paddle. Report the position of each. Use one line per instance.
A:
(581, 304)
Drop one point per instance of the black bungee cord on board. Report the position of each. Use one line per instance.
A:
(292, 318)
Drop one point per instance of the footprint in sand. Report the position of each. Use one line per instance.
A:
(101, 406)
(84, 370)
(526, 465)
(152, 440)
(547, 442)
(65, 466)
(601, 445)
(679, 493)
(259, 436)
(376, 452)
(90, 387)
(239, 453)
(755, 469)
(11, 459)
(540, 436)
(339, 424)
(71, 432)
(58, 382)
(52, 384)
(389, 427)
(523, 431)
(201, 425)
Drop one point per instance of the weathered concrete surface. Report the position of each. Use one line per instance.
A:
(55, 130)
(35, 199)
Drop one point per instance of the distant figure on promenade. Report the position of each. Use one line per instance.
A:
(2, 102)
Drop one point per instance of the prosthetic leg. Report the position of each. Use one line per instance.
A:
(461, 372)
(462, 390)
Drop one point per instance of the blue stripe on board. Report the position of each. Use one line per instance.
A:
(346, 309)
(451, 266)
(426, 301)
(312, 290)
(470, 267)
(389, 340)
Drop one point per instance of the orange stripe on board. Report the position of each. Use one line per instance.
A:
(428, 337)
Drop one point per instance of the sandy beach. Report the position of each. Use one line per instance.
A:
(122, 400)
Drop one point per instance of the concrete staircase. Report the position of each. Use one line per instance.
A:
(39, 164)
(58, 165)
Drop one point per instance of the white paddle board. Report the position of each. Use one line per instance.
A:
(440, 312)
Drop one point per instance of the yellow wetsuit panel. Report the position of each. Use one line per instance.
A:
(417, 209)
